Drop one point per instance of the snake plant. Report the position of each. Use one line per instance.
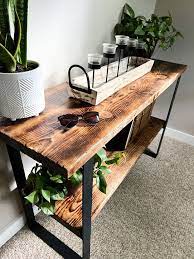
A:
(13, 35)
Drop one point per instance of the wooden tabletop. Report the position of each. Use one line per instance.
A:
(44, 139)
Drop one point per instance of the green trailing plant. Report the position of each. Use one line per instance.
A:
(155, 31)
(101, 169)
(44, 187)
(13, 35)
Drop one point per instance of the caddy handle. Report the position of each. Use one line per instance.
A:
(76, 87)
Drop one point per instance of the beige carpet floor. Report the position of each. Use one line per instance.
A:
(150, 216)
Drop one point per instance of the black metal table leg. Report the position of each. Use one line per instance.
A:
(36, 228)
(150, 152)
(18, 170)
(87, 207)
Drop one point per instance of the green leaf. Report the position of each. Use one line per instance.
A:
(65, 191)
(47, 208)
(58, 196)
(167, 20)
(76, 178)
(7, 59)
(98, 181)
(33, 197)
(179, 34)
(105, 169)
(17, 34)
(9, 44)
(139, 30)
(31, 178)
(115, 159)
(46, 194)
(118, 30)
(128, 10)
(128, 28)
(151, 33)
(40, 182)
(102, 154)
(154, 17)
(4, 18)
(2, 40)
(101, 182)
(57, 178)
(22, 13)
(141, 18)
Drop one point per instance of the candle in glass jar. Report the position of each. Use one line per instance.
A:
(122, 40)
(94, 61)
(132, 46)
(141, 49)
(109, 50)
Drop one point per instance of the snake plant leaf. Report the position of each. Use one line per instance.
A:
(7, 59)
(22, 12)
(12, 4)
(2, 40)
(9, 44)
(17, 34)
(4, 18)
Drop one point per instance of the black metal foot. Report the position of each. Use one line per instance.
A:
(150, 152)
(53, 242)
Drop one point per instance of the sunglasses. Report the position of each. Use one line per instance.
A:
(70, 120)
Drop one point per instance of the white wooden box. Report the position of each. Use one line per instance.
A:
(138, 67)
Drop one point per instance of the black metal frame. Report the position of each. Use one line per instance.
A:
(84, 233)
(147, 150)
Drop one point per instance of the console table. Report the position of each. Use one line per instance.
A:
(43, 139)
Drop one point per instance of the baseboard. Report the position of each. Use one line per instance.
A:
(180, 136)
(14, 227)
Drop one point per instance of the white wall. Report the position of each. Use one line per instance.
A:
(61, 33)
(183, 52)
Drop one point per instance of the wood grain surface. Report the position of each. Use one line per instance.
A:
(43, 137)
(70, 210)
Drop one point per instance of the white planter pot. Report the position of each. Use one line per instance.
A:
(21, 94)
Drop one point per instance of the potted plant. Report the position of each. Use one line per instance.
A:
(21, 91)
(155, 31)
(44, 187)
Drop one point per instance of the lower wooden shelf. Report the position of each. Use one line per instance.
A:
(70, 210)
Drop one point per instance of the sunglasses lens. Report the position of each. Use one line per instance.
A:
(91, 117)
(68, 120)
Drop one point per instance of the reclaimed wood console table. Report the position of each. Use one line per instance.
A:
(43, 139)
